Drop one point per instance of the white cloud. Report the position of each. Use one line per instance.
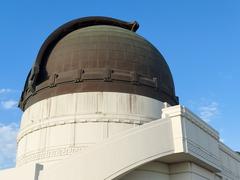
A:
(8, 133)
(9, 104)
(208, 111)
(5, 90)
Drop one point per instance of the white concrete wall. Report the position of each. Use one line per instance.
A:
(202, 142)
(27, 172)
(230, 163)
(54, 128)
(171, 141)
(177, 171)
(150, 171)
(117, 155)
(179, 146)
(190, 171)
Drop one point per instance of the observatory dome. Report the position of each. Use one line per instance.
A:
(98, 54)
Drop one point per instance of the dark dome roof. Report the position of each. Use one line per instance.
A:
(98, 54)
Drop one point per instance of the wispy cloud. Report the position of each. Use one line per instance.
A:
(9, 104)
(206, 108)
(208, 111)
(5, 90)
(8, 133)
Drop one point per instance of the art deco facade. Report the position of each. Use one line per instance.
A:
(100, 104)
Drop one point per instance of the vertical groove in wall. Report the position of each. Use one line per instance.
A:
(74, 124)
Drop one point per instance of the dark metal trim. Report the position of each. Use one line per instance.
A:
(80, 75)
(96, 75)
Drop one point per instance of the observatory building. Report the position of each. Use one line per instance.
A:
(99, 104)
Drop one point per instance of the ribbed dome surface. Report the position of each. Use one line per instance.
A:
(98, 57)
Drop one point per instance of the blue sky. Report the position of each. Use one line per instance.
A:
(199, 39)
